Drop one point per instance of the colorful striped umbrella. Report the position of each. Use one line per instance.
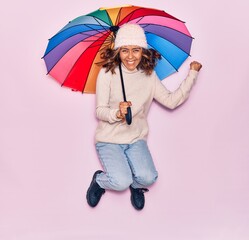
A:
(73, 52)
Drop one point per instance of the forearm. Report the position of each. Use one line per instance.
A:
(174, 99)
(105, 113)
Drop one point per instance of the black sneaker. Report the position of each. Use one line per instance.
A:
(94, 192)
(137, 197)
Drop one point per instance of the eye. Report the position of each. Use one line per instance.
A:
(136, 50)
(124, 50)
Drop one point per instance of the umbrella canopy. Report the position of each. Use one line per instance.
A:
(73, 52)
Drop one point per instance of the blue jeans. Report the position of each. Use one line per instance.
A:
(125, 165)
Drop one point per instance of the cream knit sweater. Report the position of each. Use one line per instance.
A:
(140, 90)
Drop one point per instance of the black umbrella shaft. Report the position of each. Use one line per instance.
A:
(128, 116)
(122, 82)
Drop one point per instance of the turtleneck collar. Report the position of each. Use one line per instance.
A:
(124, 69)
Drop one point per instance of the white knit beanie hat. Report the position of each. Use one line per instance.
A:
(130, 34)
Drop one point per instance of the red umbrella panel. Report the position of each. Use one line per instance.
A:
(73, 52)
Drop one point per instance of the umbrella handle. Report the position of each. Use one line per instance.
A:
(128, 116)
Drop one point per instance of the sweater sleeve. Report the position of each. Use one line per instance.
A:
(174, 99)
(103, 110)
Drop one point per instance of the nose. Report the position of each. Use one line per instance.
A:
(130, 54)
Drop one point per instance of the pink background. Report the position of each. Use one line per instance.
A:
(47, 155)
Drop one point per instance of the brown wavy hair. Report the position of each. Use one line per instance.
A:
(147, 64)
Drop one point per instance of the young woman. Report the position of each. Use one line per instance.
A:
(122, 148)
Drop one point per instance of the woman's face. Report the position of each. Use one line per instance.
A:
(130, 56)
